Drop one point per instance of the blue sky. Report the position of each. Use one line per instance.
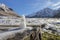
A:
(30, 6)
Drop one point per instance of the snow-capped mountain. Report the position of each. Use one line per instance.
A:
(45, 13)
(6, 11)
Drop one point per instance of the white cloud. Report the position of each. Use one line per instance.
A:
(56, 7)
(43, 5)
(56, 4)
(48, 3)
(40, 4)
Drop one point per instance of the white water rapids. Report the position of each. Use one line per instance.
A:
(10, 34)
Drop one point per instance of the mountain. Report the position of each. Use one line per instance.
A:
(44, 13)
(6, 11)
(57, 15)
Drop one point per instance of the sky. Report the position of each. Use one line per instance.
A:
(25, 7)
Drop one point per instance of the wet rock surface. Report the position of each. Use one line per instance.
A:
(18, 36)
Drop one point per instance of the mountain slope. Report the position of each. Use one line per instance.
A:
(57, 15)
(6, 11)
(45, 13)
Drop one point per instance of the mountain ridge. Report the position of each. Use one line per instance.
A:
(6, 11)
(44, 13)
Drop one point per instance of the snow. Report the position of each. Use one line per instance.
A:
(10, 34)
